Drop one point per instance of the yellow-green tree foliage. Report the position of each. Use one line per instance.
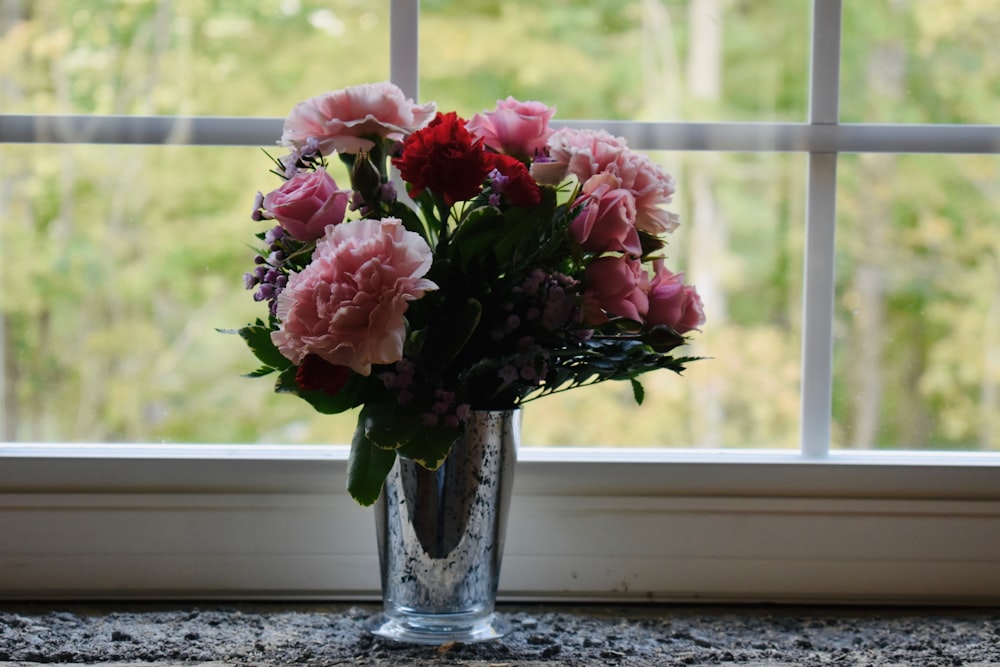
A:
(117, 263)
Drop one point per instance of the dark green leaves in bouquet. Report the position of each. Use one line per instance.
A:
(368, 465)
(473, 246)
(258, 338)
(429, 446)
(411, 221)
(325, 403)
(531, 233)
(446, 338)
(638, 391)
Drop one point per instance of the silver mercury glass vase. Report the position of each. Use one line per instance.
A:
(441, 536)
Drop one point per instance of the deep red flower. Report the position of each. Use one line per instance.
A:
(444, 158)
(317, 374)
(519, 188)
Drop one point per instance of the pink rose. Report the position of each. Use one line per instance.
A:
(347, 306)
(346, 120)
(672, 303)
(307, 203)
(514, 128)
(607, 220)
(585, 153)
(616, 285)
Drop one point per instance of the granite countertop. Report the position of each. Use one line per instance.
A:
(311, 634)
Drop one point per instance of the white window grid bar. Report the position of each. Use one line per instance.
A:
(819, 285)
(823, 137)
(404, 46)
(759, 137)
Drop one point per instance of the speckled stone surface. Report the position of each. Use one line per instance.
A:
(209, 635)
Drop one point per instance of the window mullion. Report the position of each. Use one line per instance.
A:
(819, 286)
(404, 48)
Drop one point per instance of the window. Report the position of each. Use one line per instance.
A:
(825, 522)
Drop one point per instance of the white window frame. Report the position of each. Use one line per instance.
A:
(817, 525)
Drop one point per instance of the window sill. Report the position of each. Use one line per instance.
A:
(274, 522)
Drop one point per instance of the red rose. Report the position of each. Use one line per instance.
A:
(443, 158)
(518, 187)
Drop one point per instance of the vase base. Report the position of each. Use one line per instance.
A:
(438, 631)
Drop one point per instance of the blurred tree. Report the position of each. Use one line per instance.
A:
(118, 262)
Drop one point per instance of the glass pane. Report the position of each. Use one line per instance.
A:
(119, 264)
(740, 243)
(926, 61)
(917, 352)
(187, 57)
(697, 60)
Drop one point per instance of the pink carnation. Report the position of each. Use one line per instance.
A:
(580, 153)
(586, 153)
(347, 306)
(651, 186)
(514, 128)
(672, 303)
(346, 119)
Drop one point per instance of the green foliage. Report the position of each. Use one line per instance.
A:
(368, 465)
(258, 339)
(118, 263)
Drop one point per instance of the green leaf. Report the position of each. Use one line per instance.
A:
(258, 339)
(528, 232)
(475, 239)
(411, 221)
(387, 424)
(430, 446)
(663, 339)
(260, 372)
(637, 391)
(446, 339)
(349, 397)
(367, 466)
(425, 200)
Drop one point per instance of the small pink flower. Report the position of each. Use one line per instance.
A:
(672, 303)
(616, 285)
(348, 305)
(347, 120)
(514, 128)
(306, 203)
(607, 221)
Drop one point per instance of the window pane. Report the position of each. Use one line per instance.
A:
(697, 60)
(932, 61)
(740, 243)
(188, 57)
(119, 264)
(917, 352)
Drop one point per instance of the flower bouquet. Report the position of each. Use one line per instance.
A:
(527, 261)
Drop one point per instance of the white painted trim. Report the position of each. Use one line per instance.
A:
(723, 136)
(250, 522)
(273, 522)
(819, 284)
(824, 62)
(281, 469)
(404, 46)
